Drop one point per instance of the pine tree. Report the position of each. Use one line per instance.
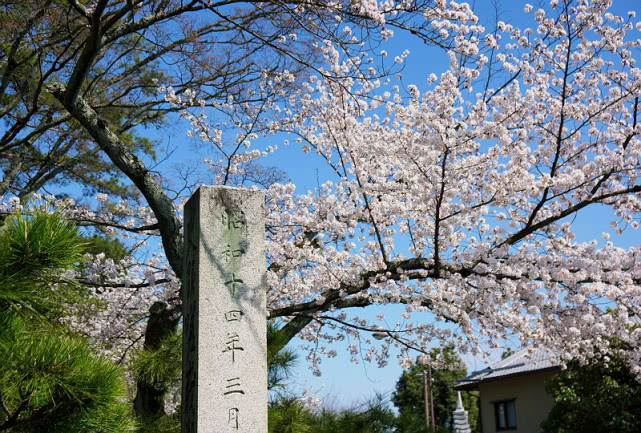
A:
(49, 379)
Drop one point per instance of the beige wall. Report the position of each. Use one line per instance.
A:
(532, 403)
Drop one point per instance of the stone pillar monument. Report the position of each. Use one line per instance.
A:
(224, 315)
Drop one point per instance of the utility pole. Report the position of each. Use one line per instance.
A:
(429, 369)
(426, 399)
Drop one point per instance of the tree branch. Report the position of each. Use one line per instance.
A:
(168, 222)
(89, 53)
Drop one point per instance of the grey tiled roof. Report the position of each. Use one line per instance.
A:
(524, 361)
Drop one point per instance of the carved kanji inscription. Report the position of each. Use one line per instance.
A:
(233, 315)
(233, 386)
(232, 344)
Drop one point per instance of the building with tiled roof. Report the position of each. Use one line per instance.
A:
(512, 391)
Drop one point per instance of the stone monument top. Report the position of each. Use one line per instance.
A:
(461, 424)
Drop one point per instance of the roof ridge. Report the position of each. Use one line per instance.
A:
(510, 359)
(538, 358)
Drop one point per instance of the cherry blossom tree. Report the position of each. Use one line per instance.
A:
(229, 56)
(458, 200)
(454, 198)
(78, 80)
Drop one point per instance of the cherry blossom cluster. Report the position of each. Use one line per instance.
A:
(458, 202)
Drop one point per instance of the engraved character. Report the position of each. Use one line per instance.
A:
(234, 284)
(234, 219)
(233, 315)
(227, 253)
(231, 345)
(233, 386)
(233, 418)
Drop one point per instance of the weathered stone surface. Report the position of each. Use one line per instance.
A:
(461, 424)
(224, 340)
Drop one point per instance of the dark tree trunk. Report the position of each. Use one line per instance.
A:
(150, 399)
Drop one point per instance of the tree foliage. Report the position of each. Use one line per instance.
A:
(467, 215)
(280, 362)
(288, 415)
(291, 416)
(54, 382)
(36, 251)
(603, 395)
(49, 379)
(115, 54)
(111, 248)
(409, 397)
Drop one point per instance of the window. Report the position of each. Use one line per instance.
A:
(505, 415)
